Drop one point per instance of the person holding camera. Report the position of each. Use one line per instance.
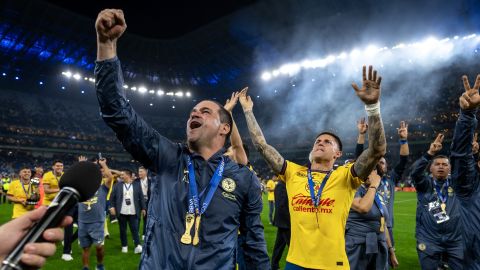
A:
(128, 204)
(23, 193)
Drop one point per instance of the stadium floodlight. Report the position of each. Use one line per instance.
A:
(41, 83)
(160, 92)
(133, 88)
(151, 91)
(86, 78)
(179, 94)
(169, 94)
(142, 90)
(67, 74)
(125, 86)
(77, 76)
(417, 52)
(188, 94)
(173, 106)
(266, 76)
(151, 104)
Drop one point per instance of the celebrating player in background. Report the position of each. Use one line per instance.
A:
(368, 242)
(236, 151)
(23, 193)
(91, 219)
(465, 176)
(318, 215)
(51, 180)
(389, 178)
(184, 230)
(438, 229)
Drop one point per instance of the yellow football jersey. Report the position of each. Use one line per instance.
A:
(271, 186)
(318, 234)
(50, 179)
(16, 190)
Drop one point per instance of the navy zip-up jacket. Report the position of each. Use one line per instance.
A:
(427, 229)
(236, 204)
(466, 182)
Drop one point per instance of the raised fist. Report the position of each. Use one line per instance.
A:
(110, 25)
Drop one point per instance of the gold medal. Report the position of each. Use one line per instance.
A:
(186, 237)
(443, 206)
(197, 227)
(382, 224)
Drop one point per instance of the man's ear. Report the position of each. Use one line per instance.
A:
(224, 129)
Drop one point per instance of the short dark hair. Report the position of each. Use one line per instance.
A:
(57, 161)
(142, 168)
(25, 167)
(339, 142)
(225, 117)
(438, 157)
(128, 171)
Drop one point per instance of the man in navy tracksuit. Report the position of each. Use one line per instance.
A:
(465, 176)
(199, 198)
(439, 226)
(389, 178)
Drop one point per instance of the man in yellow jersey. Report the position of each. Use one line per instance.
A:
(271, 197)
(319, 195)
(23, 193)
(50, 182)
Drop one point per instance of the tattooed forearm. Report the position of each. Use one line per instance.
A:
(270, 154)
(377, 146)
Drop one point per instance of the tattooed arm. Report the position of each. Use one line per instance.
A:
(270, 154)
(377, 146)
(369, 93)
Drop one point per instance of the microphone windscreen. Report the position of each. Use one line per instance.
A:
(85, 177)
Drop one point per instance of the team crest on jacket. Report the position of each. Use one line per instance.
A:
(450, 191)
(422, 246)
(228, 184)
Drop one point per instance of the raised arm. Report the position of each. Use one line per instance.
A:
(420, 165)
(464, 175)
(369, 94)
(239, 153)
(363, 204)
(404, 151)
(143, 142)
(106, 171)
(362, 127)
(270, 154)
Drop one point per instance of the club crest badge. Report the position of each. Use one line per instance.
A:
(422, 246)
(228, 184)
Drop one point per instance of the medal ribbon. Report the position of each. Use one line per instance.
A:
(439, 190)
(378, 202)
(194, 198)
(311, 185)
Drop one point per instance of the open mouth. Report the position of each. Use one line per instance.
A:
(195, 124)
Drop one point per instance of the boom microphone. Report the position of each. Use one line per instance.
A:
(79, 183)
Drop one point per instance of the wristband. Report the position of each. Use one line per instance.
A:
(373, 109)
(373, 187)
(403, 141)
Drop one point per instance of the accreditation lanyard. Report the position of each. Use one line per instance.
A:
(440, 189)
(194, 197)
(316, 197)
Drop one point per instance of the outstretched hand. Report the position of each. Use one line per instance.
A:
(362, 126)
(370, 91)
(245, 100)
(232, 101)
(436, 145)
(470, 99)
(403, 130)
(110, 25)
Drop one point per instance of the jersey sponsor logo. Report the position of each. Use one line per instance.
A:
(301, 174)
(303, 203)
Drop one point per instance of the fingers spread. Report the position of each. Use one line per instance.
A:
(466, 84)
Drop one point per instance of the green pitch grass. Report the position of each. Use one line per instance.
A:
(404, 233)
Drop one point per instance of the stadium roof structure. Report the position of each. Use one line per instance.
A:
(213, 47)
